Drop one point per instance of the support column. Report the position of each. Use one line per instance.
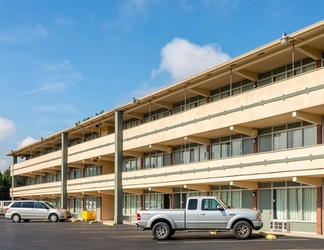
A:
(142, 202)
(255, 199)
(319, 134)
(13, 177)
(118, 216)
(319, 210)
(255, 145)
(64, 170)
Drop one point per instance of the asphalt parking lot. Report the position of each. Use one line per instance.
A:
(84, 236)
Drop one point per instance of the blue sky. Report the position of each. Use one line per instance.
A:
(63, 61)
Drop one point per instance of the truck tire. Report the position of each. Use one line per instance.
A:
(242, 230)
(161, 231)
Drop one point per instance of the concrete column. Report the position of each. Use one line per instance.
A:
(319, 210)
(256, 145)
(255, 199)
(13, 177)
(64, 170)
(118, 216)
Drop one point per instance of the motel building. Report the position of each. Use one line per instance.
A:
(249, 130)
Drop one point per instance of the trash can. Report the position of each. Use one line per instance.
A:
(88, 215)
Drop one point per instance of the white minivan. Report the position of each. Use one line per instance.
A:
(3, 206)
(27, 210)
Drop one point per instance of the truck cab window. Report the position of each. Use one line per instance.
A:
(192, 204)
(209, 204)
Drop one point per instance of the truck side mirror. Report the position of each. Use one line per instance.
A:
(219, 207)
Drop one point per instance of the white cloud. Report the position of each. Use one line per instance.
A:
(28, 140)
(3, 166)
(130, 12)
(24, 34)
(182, 59)
(64, 21)
(44, 88)
(64, 65)
(7, 128)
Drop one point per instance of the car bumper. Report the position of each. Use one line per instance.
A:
(257, 225)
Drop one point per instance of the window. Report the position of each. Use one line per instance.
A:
(293, 204)
(192, 152)
(40, 179)
(192, 205)
(40, 205)
(291, 135)
(27, 204)
(50, 177)
(131, 204)
(189, 104)
(92, 170)
(228, 90)
(153, 201)
(279, 204)
(231, 146)
(209, 204)
(30, 181)
(131, 163)
(156, 114)
(131, 123)
(309, 204)
(16, 204)
(75, 173)
(156, 159)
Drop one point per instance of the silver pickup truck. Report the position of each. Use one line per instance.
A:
(201, 214)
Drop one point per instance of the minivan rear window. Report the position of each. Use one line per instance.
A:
(28, 204)
(16, 204)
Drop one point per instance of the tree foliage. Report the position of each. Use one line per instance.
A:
(5, 184)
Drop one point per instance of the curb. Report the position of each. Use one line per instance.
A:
(267, 236)
(109, 223)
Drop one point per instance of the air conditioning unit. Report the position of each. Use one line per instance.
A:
(280, 226)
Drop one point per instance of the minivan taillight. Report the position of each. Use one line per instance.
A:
(138, 216)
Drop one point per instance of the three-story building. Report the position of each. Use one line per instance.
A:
(249, 131)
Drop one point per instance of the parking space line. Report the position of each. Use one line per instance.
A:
(227, 241)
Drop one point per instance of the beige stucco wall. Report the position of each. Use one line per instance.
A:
(105, 145)
(107, 209)
(306, 161)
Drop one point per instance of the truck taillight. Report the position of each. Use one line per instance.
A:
(7, 208)
(138, 216)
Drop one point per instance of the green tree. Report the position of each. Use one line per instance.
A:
(5, 184)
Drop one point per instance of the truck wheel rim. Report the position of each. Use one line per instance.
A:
(242, 230)
(161, 231)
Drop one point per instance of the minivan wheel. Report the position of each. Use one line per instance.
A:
(53, 218)
(15, 218)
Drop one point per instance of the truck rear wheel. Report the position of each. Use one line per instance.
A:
(242, 230)
(161, 231)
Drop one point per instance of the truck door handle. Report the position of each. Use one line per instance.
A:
(202, 213)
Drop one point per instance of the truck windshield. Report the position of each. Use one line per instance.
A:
(223, 203)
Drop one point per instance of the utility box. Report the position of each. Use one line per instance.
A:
(88, 215)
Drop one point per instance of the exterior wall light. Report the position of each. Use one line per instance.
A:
(284, 38)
